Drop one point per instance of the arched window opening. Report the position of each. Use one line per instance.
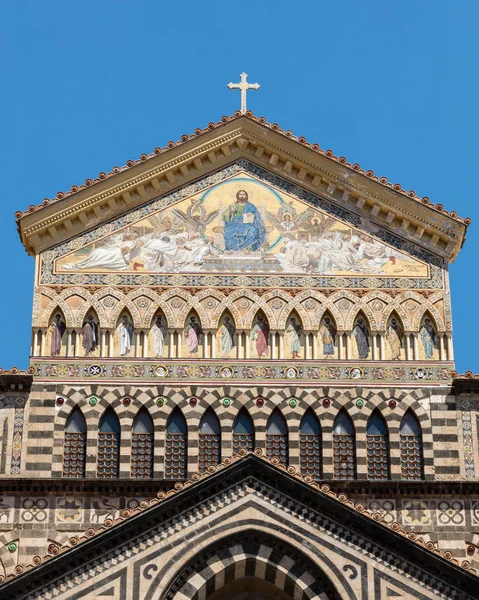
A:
(412, 467)
(277, 438)
(344, 447)
(74, 449)
(142, 446)
(209, 441)
(377, 447)
(310, 445)
(175, 453)
(243, 432)
(108, 446)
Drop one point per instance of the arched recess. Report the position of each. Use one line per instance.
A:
(158, 335)
(427, 308)
(56, 342)
(192, 336)
(310, 445)
(362, 338)
(377, 441)
(294, 338)
(260, 337)
(301, 313)
(243, 432)
(142, 437)
(227, 304)
(401, 312)
(90, 334)
(258, 304)
(327, 336)
(411, 449)
(108, 459)
(429, 338)
(176, 446)
(226, 338)
(277, 446)
(209, 441)
(57, 304)
(396, 342)
(74, 445)
(367, 313)
(124, 337)
(262, 556)
(344, 447)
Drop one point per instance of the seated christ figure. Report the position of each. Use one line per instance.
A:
(244, 228)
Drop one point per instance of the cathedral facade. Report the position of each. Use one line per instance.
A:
(241, 384)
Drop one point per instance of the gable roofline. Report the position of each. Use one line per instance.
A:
(207, 150)
(96, 543)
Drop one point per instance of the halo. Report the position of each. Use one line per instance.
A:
(240, 186)
(288, 214)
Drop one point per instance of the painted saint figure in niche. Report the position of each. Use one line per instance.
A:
(428, 338)
(58, 329)
(327, 332)
(192, 334)
(260, 335)
(90, 335)
(293, 333)
(244, 228)
(227, 336)
(394, 336)
(159, 336)
(361, 333)
(125, 331)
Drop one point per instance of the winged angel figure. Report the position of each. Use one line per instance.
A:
(196, 218)
(288, 220)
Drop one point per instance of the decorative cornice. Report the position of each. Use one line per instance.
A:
(179, 163)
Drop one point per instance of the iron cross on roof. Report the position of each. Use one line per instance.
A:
(244, 86)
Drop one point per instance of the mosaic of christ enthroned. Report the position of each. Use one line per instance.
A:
(242, 225)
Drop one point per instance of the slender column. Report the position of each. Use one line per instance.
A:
(341, 345)
(43, 337)
(111, 342)
(315, 345)
(407, 341)
(273, 344)
(137, 343)
(442, 349)
(307, 339)
(213, 344)
(349, 346)
(240, 344)
(450, 348)
(281, 345)
(69, 343)
(382, 346)
(416, 346)
(75, 342)
(247, 344)
(145, 344)
(375, 346)
(103, 343)
(35, 342)
(206, 336)
(179, 340)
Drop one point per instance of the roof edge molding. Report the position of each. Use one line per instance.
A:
(241, 136)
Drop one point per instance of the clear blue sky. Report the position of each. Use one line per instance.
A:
(88, 85)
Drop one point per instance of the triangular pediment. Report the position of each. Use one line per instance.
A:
(246, 224)
(242, 508)
(242, 137)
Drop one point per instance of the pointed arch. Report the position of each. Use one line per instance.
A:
(142, 439)
(226, 338)
(277, 446)
(411, 448)
(293, 335)
(310, 445)
(361, 332)
(209, 450)
(344, 447)
(401, 313)
(429, 336)
(260, 334)
(90, 332)
(108, 459)
(367, 313)
(122, 307)
(176, 445)
(243, 432)
(424, 308)
(396, 339)
(74, 445)
(258, 304)
(193, 334)
(377, 441)
(301, 313)
(57, 328)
